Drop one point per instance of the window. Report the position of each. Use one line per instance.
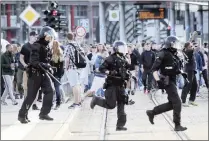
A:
(95, 20)
(13, 9)
(3, 9)
(95, 11)
(81, 11)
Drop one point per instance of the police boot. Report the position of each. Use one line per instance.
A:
(22, 120)
(93, 102)
(179, 128)
(119, 128)
(151, 115)
(45, 117)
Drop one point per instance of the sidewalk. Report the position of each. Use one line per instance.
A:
(69, 124)
(85, 124)
(195, 118)
(139, 127)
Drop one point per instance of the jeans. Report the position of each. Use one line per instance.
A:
(57, 90)
(91, 78)
(180, 82)
(8, 80)
(20, 81)
(140, 78)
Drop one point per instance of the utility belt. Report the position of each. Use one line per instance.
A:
(31, 71)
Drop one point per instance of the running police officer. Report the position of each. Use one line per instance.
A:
(169, 65)
(116, 67)
(40, 58)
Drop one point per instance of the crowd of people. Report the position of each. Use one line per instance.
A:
(88, 80)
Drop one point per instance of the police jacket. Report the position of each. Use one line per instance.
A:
(114, 63)
(167, 62)
(40, 53)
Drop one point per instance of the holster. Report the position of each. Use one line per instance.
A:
(165, 79)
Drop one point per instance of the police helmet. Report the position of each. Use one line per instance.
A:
(171, 42)
(120, 47)
(47, 31)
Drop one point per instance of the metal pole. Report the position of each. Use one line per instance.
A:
(192, 22)
(19, 23)
(172, 16)
(102, 33)
(187, 22)
(142, 35)
(68, 18)
(122, 21)
(157, 31)
(29, 28)
(200, 21)
(90, 15)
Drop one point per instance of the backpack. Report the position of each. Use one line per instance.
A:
(80, 61)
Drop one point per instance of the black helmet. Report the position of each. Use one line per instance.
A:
(171, 41)
(120, 46)
(47, 30)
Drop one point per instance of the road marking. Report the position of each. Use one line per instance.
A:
(18, 131)
(66, 124)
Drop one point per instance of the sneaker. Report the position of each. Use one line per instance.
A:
(35, 107)
(16, 96)
(185, 105)
(193, 103)
(72, 106)
(4, 103)
(57, 107)
(14, 103)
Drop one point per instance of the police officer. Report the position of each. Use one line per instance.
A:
(40, 58)
(168, 64)
(116, 67)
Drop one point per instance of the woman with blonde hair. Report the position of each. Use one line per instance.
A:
(57, 63)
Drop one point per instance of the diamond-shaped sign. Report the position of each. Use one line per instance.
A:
(29, 16)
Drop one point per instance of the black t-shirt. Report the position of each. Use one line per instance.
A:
(26, 50)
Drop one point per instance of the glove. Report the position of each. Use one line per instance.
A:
(160, 84)
(45, 66)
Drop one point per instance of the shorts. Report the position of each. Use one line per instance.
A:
(73, 76)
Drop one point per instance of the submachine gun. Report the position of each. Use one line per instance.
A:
(121, 73)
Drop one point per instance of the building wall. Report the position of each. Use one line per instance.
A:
(80, 12)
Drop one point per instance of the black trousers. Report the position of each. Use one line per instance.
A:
(205, 76)
(35, 81)
(190, 87)
(174, 103)
(113, 96)
(147, 75)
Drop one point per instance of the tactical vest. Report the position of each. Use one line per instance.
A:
(170, 65)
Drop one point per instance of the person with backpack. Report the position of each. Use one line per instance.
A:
(74, 62)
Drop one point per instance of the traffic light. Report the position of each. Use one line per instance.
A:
(168, 31)
(53, 17)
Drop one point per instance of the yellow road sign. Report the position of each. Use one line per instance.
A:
(29, 16)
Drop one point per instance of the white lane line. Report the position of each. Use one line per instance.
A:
(18, 131)
(66, 124)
